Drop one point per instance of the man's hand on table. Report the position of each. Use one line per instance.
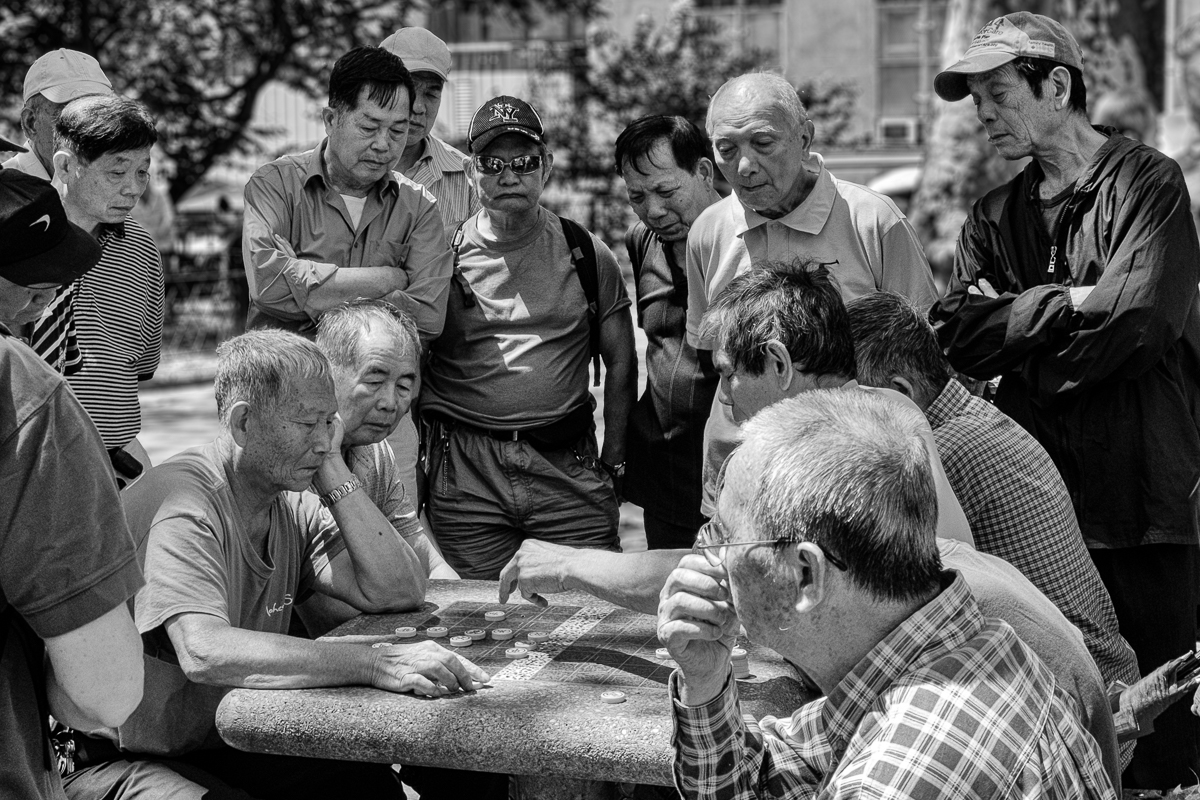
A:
(537, 568)
(426, 669)
(697, 624)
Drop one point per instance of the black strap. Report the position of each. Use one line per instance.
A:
(583, 257)
(34, 649)
(637, 244)
(459, 279)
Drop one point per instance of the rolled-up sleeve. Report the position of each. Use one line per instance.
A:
(279, 283)
(429, 265)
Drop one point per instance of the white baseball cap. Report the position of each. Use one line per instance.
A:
(420, 51)
(64, 75)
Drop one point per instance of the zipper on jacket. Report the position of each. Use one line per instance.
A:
(1053, 253)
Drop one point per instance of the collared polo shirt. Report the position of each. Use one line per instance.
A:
(866, 242)
(400, 227)
(440, 170)
(28, 163)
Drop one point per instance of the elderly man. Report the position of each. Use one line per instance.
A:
(374, 351)
(1076, 282)
(786, 204)
(229, 549)
(67, 563)
(335, 223)
(426, 159)
(923, 695)
(54, 80)
(510, 444)
(103, 162)
(1016, 502)
(664, 162)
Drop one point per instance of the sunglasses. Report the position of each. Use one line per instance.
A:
(521, 165)
(712, 540)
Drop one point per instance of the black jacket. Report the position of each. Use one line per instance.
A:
(1111, 389)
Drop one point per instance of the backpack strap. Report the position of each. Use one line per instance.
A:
(458, 278)
(583, 258)
(637, 244)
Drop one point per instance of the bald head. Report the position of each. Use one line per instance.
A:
(760, 90)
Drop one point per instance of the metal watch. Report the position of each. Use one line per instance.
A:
(330, 500)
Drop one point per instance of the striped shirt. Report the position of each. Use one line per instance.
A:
(118, 309)
(440, 170)
(949, 704)
(1019, 510)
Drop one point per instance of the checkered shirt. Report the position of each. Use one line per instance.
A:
(1019, 510)
(949, 704)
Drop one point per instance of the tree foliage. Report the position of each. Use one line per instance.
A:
(200, 65)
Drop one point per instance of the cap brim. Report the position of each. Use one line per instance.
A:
(951, 83)
(490, 136)
(419, 65)
(75, 254)
(66, 92)
(7, 146)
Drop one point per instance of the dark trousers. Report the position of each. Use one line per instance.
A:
(1154, 592)
(228, 774)
(662, 534)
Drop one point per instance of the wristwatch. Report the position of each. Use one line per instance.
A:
(331, 499)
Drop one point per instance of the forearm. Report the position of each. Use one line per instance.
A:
(620, 384)
(435, 565)
(629, 580)
(348, 284)
(388, 574)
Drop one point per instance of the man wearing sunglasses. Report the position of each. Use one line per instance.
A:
(510, 439)
(924, 695)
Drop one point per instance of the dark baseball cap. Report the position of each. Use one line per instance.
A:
(40, 244)
(501, 115)
(1005, 39)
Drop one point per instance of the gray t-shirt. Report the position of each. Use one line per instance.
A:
(518, 357)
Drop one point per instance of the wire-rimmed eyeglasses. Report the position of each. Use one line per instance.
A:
(712, 538)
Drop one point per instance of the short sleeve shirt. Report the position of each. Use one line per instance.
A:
(519, 355)
(200, 559)
(66, 557)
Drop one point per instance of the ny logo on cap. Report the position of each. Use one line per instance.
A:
(505, 112)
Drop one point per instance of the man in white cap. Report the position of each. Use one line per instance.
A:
(1076, 282)
(54, 80)
(428, 160)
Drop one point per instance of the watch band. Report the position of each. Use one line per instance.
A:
(331, 499)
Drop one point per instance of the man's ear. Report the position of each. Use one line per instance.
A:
(64, 162)
(779, 364)
(1060, 82)
(240, 422)
(28, 123)
(814, 571)
(808, 133)
(328, 115)
(549, 168)
(904, 386)
(706, 171)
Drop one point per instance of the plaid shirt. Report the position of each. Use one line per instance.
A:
(1019, 510)
(949, 704)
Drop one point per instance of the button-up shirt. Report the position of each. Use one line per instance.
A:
(949, 704)
(440, 169)
(400, 227)
(1020, 511)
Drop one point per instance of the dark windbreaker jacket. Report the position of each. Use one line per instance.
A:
(1111, 389)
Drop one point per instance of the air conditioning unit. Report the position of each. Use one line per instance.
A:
(898, 130)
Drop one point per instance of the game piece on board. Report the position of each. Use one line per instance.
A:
(663, 654)
(525, 645)
(461, 641)
(406, 632)
(437, 631)
(613, 697)
(476, 634)
(379, 644)
(501, 634)
(494, 616)
(516, 652)
(538, 637)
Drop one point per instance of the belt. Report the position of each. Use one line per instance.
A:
(557, 435)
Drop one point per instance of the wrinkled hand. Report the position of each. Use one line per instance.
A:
(426, 669)
(983, 288)
(1156, 692)
(333, 471)
(1079, 294)
(538, 567)
(697, 624)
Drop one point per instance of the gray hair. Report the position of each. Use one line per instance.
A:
(891, 337)
(259, 368)
(782, 95)
(340, 331)
(849, 471)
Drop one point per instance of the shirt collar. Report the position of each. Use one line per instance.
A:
(444, 157)
(107, 230)
(315, 168)
(808, 217)
(949, 404)
(943, 624)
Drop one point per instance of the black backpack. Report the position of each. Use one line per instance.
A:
(583, 258)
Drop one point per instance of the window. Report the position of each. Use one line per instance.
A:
(910, 37)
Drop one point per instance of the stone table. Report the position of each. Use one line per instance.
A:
(548, 731)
